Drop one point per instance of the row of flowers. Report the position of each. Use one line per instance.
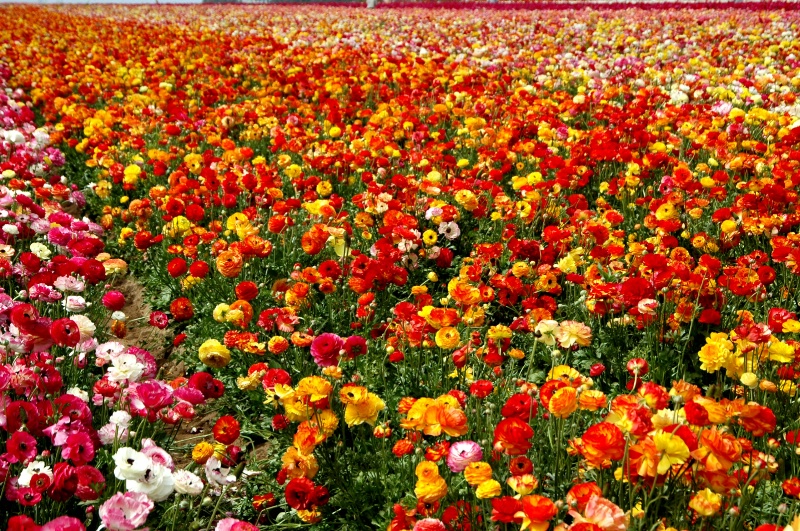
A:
(72, 396)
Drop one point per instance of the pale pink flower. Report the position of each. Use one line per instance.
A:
(126, 512)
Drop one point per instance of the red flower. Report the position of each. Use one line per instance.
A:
(65, 482)
(246, 290)
(22, 446)
(159, 319)
(181, 309)
(520, 465)
(505, 510)
(199, 269)
(520, 405)
(791, 487)
(177, 267)
(91, 483)
(226, 429)
(65, 332)
(696, 414)
(303, 494)
(22, 523)
(354, 346)
(512, 436)
(481, 388)
(114, 301)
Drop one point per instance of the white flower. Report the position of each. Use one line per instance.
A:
(83, 395)
(218, 475)
(187, 483)
(108, 351)
(130, 464)
(157, 482)
(119, 316)
(85, 325)
(14, 136)
(8, 228)
(120, 418)
(546, 331)
(75, 303)
(37, 467)
(40, 250)
(125, 367)
(450, 230)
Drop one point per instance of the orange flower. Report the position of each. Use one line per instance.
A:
(601, 444)
(564, 402)
(592, 400)
(229, 264)
(537, 511)
(717, 451)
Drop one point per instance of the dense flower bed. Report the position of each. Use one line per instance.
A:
(452, 270)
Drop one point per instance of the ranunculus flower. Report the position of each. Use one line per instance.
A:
(463, 453)
(126, 512)
(325, 349)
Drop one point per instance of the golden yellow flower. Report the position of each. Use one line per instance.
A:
(214, 354)
(202, 452)
(448, 338)
(366, 410)
(478, 472)
(488, 489)
(314, 387)
(299, 465)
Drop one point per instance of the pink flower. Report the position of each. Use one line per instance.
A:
(158, 455)
(114, 300)
(429, 524)
(64, 523)
(232, 524)
(461, 454)
(325, 349)
(126, 512)
(603, 513)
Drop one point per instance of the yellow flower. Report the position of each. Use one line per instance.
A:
(365, 411)
(488, 489)
(523, 485)
(447, 338)
(214, 354)
(791, 326)
(716, 353)
(429, 237)
(499, 332)
(293, 171)
(326, 420)
(298, 464)
(220, 310)
(314, 387)
(781, 352)
(430, 487)
(478, 472)
(521, 269)
(706, 502)
(673, 450)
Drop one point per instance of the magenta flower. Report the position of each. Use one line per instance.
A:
(63, 523)
(79, 448)
(325, 349)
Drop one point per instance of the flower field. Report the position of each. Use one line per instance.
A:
(288, 267)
